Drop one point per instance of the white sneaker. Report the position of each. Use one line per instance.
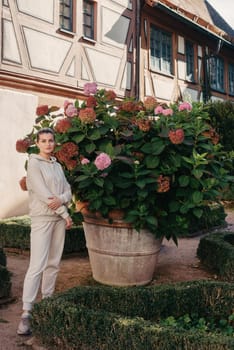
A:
(24, 326)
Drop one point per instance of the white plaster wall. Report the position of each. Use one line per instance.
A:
(43, 9)
(10, 48)
(125, 3)
(105, 66)
(127, 77)
(46, 51)
(114, 28)
(163, 88)
(215, 99)
(181, 69)
(181, 44)
(189, 94)
(148, 91)
(16, 120)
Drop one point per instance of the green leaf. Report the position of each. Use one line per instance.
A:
(90, 147)
(142, 194)
(197, 197)
(197, 173)
(39, 119)
(152, 162)
(82, 178)
(95, 135)
(98, 181)
(147, 148)
(142, 172)
(184, 208)
(78, 138)
(96, 204)
(198, 212)
(188, 160)
(109, 200)
(184, 180)
(84, 184)
(126, 175)
(140, 183)
(152, 220)
(194, 183)
(108, 149)
(157, 148)
(108, 186)
(123, 184)
(174, 206)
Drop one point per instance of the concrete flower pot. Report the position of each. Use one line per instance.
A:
(119, 255)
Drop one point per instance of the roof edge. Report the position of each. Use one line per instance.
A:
(196, 20)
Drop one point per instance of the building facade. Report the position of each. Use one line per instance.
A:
(187, 51)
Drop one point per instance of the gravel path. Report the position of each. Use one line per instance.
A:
(175, 264)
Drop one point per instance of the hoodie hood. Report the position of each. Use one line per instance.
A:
(38, 157)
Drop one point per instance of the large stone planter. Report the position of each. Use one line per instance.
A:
(119, 255)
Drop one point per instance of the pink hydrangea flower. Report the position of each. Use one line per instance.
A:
(110, 95)
(185, 106)
(91, 102)
(90, 88)
(150, 103)
(71, 111)
(176, 136)
(66, 104)
(158, 110)
(102, 161)
(87, 115)
(85, 161)
(167, 111)
(62, 125)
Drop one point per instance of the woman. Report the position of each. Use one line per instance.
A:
(49, 192)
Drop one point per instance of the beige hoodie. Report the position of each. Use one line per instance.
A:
(45, 178)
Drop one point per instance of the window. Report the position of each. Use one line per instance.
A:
(216, 66)
(88, 19)
(189, 53)
(160, 50)
(231, 78)
(66, 15)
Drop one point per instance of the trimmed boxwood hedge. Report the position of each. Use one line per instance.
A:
(216, 251)
(16, 234)
(107, 318)
(2, 257)
(5, 277)
(213, 216)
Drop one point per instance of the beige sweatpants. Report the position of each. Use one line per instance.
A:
(47, 242)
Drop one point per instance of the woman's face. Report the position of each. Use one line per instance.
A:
(46, 144)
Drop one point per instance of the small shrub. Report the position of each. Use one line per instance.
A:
(5, 277)
(216, 251)
(15, 233)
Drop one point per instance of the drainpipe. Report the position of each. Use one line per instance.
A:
(139, 7)
(206, 75)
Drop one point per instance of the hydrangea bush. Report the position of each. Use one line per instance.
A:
(158, 165)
